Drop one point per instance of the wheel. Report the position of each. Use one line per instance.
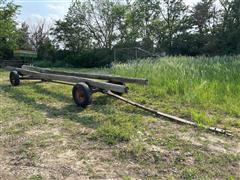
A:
(118, 83)
(14, 78)
(82, 95)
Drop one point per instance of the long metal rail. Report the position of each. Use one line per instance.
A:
(167, 116)
(72, 79)
(89, 75)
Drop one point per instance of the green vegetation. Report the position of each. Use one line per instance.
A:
(203, 89)
(43, 135)
(44, 131)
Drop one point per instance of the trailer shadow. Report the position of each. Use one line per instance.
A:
(55, 94)
(102, 100)
(71, 111)
(97, 105)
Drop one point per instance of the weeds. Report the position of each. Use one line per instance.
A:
(113, 134)
(196, 85)
(40, 125)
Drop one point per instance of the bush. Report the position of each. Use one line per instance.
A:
(6, 53)
(87, 58)
(84, 59)
(43, 63)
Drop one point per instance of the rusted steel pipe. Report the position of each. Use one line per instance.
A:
(170, 117)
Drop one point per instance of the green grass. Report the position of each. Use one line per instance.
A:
(41, 127)
(113, 124)
(207, 90)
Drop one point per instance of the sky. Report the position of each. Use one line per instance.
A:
(35, 10)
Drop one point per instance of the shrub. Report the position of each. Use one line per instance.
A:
(87, 58)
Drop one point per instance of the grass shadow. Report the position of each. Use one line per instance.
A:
(71, 112)
(128, 109)
(57, 95)
(102, 100)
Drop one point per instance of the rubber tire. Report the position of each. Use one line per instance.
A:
(118, 83)
(86, 93)
(14, 78)
(43, 80)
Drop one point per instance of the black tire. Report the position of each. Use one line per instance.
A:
(14, 78)
(118, 83)
(44, 80)
(82, 95)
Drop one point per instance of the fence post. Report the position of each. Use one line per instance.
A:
(114, 54)
(136, 53)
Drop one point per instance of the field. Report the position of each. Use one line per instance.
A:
(43, 135)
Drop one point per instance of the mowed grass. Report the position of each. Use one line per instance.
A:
(206, 90)
(112, 123)
(42, 129)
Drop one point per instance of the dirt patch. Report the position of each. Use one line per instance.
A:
(214, 142)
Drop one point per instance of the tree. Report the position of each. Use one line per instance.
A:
(91, 24)
(173, 14)
(71, 31)
(203, 16)
(39, 39)
(100, 20)
(46, 51)
(8, 30)
(120, 11)
(133, 27)
(147, 12)
(229, 30)
(71, 35)
(157, 25)
(203, 21)
(39, 33)
(23, 41)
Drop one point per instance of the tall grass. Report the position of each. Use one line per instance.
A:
(197, 86)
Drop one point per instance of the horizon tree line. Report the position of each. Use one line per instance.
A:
(157, 26)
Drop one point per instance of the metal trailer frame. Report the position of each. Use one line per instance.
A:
(84, 84)
(83, 88)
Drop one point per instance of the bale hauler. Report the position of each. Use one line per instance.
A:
(84, 85)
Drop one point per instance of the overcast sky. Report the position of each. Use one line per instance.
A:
(33, 10)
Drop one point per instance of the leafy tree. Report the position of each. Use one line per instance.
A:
(204, 17)
(228, 35)
(148, 13)
(157, 25)
(132, 27)
(173, 15)
(90, 24)
(8, 30)
(71, 31)
(100, 20)
(23, 41)
(120, 11)
(46, 51)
